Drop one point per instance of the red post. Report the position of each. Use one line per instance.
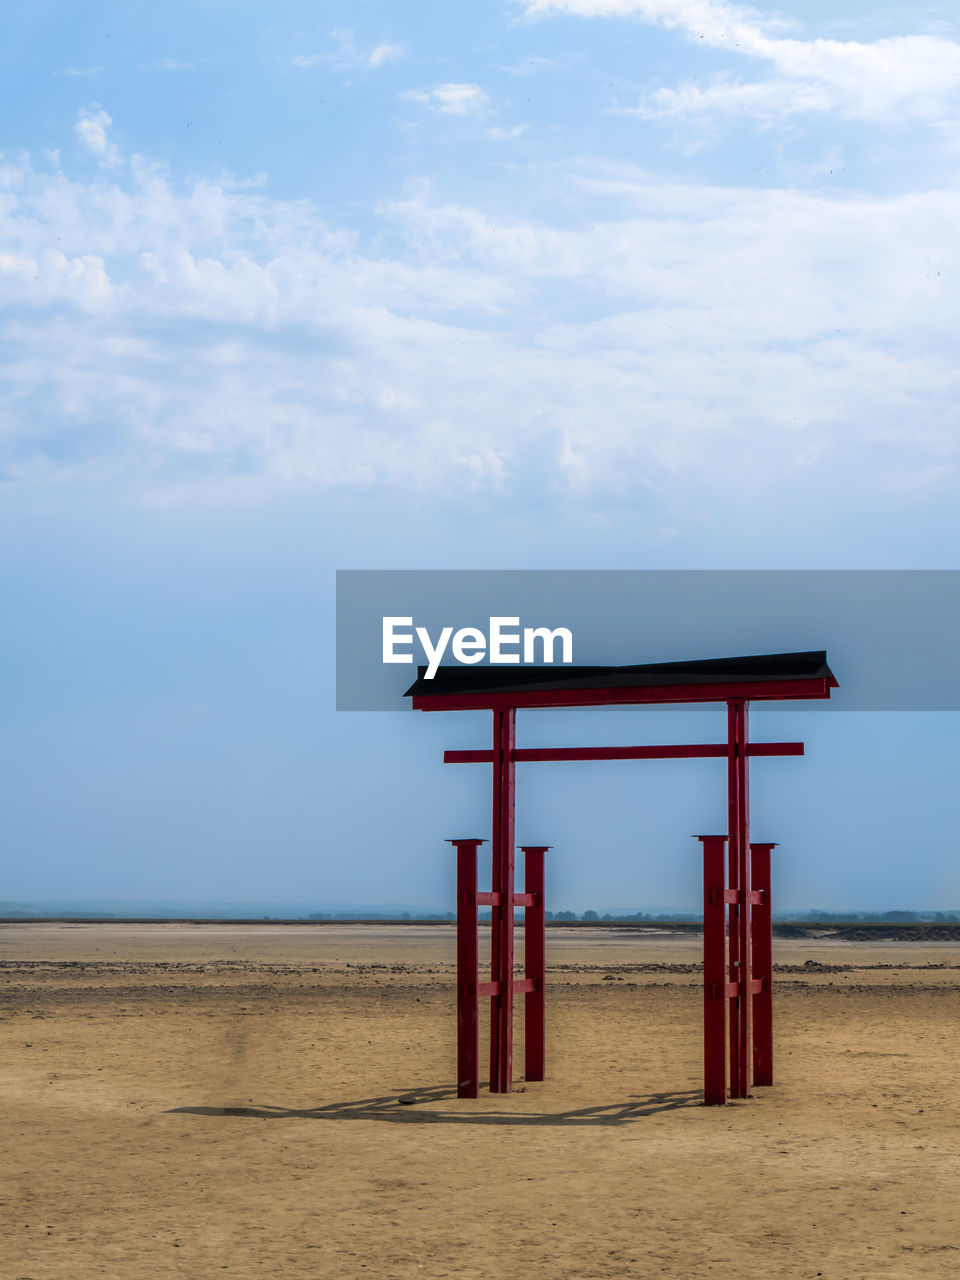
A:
(468, 965)
(739, 858)
(714, 972)
(733, 957)
(501, 1013)
(534, 951)
(763, 966)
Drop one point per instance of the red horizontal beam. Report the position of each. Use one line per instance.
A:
(520, 987)
(758, 690)
(496, 899)
(754, 987)
(695, 751)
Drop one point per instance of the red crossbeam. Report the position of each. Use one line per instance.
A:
(520, 985)
(713, 750)
(735, 896)
(636, 695)
(754, 987)
(496, 899)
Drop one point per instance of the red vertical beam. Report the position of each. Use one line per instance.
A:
(733, 953)
(739, 858)
(534, 953)
(746, 909)
(501, 1019)
(468, 962)
(714, 972)
(763, 966)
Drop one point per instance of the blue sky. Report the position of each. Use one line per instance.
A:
(563, 284)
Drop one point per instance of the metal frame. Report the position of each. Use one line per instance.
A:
(736, 976)
(504, 985)
(738, 1011)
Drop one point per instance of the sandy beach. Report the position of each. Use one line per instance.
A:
(268, 1100)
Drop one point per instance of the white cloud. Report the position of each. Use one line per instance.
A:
(506, 135)
(347, 57)
(533, 63)
(384, 53)
(210, 340)
(713, 18)
(765, 98)
(93, 72)
(449, 99)
(91, 129)
(903, 76)
(167, 64)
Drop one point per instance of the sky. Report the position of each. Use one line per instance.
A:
(561, 284)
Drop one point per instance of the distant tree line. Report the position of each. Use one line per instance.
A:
(815, 916)
(889, 917)
(588, 916)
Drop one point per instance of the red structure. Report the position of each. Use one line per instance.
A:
(746, 988)
(737, 907)
(469, 987)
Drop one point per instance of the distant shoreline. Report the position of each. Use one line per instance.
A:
(854, 931)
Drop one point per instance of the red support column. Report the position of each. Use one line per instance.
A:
(762, 966)
(714, 972)
(733, 961)
(501, 1014)
(468, 964)
(739, 858)
(534, 953)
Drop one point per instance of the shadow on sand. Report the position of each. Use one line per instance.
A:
(403, 1108)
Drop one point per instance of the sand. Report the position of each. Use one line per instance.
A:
(266, 1101)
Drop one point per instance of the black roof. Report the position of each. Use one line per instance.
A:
(811, 665)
